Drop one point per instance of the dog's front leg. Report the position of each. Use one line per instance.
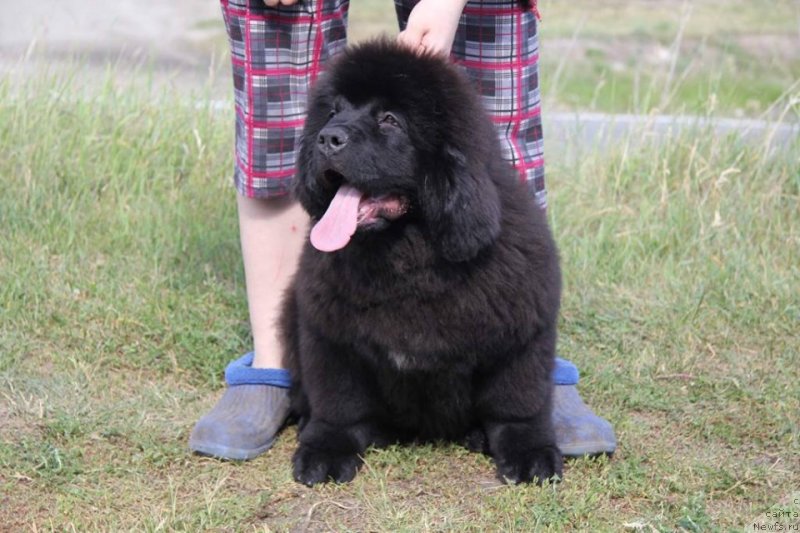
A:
(514, 405)
(330, 452)
(342, 419)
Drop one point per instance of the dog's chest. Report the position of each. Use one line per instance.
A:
(401, 360)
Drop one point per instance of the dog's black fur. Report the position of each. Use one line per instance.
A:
(439, 324)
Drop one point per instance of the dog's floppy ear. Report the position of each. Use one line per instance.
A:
(461, 205)
(305, 187)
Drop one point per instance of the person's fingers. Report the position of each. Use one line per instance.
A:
(441, 47)
(410, 38)
(404, 39)
(434, 44)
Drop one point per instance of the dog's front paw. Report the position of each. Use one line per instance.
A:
(538, 465)
(475, 441)
(313, 465)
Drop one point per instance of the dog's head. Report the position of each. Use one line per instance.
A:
(393, 136)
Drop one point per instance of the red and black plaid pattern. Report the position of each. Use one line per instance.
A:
(498, 46)
(278, 52)
(276, 55)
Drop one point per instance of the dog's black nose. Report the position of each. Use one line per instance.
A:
(331, 140)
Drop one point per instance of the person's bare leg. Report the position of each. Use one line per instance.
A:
(272, 234)
(254, 406)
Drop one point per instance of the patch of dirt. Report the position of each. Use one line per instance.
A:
(23, 509)
(14, 426)
(783, 47)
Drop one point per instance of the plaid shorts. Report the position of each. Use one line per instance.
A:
(278, 52)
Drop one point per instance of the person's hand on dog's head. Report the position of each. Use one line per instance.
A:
(432, 26)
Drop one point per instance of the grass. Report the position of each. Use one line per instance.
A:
(122, 298)
(643, 56)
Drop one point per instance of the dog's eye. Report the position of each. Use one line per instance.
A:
(389, 119)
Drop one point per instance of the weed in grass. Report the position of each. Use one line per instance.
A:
(41, 460)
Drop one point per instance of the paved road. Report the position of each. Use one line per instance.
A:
(170, 31)
(599, 129)
(175, 40)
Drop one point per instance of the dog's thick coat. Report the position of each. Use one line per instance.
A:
(437, 318)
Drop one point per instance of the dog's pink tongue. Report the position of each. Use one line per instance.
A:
(337, 225)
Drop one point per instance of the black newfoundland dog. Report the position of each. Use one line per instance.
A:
(425, 303)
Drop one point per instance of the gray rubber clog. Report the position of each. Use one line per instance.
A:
(245, 420)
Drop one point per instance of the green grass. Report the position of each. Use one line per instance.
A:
(122, 298)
